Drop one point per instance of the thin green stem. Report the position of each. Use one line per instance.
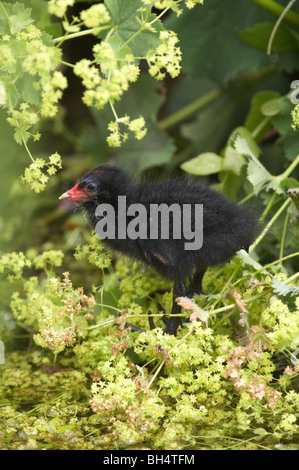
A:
(80, 33)
(67, 64)
(27, 150)
(163, 361)
(291, 278)
(277, 261)
(276, 9)
(260, 126)
(269, 225)
(96, 326)
(239, 264)
(284, 232)
(159, 16)
(289, 170)
(113, 110)
(278, 22)
(269, 205)
(190, 109)
(109, 306)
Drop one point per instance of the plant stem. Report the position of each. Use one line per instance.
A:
(80, 33)
(163, 361)
(269, 205)
(277, 261)
(260, 126)
(268, 226)
(281, 17)
(284, 232)
(289, 170)
(159, 16)
(291, 278)
(277, 10)
(27, 149)
(113, 110)
(190, 109)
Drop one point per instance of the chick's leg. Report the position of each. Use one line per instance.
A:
(175, 321)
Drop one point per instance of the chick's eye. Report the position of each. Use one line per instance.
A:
(91, 187)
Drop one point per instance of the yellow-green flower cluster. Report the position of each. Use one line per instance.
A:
(166, 58)
(35, 175)
(59, 7)
(40, 58)
(116, 137)
(192, 3)
(295, 117)
(173, 4)
(55, 309)
(95, 252)
(14, 263)
(95, 16)
(52, 91)
(110, 80)
(283, 324)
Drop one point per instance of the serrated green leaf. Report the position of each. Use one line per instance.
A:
(283, 289)
(207, 163)
(12, 93)
(256, 172)
(243, 138)
(15, 18)
(27, 90)
(124, 14)
(233, 160)
(247, 259)
(218, 52)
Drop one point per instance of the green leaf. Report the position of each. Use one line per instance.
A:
(17, 17)
(258, 37)
(207, 163)
(124, 14)
(209, 39)
(26, 89)
(242, 138)
(271, 107)
(209, 130)
(255, 116)
(256, 172)
(283, 289)
(233, 160)
(283, 123)
(247, 259)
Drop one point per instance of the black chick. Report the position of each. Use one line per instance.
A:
(227, 227)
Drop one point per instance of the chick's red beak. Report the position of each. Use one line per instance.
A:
(74, 194)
